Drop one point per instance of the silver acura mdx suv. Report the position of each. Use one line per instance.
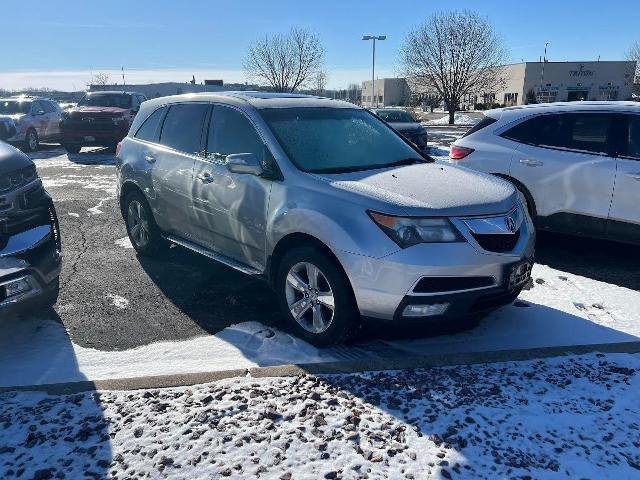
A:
(345, 218)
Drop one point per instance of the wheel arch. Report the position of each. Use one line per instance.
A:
(125, 190)
(531, 203)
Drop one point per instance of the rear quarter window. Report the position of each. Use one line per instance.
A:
(485, 122)
(149, 130)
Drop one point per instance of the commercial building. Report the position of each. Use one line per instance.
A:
(390, 92)
(560, 82)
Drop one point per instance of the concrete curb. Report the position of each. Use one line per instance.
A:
(326, 368)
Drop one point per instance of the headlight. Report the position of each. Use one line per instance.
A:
(408, 231)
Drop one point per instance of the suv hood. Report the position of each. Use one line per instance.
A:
(432, 189)
(12, 159)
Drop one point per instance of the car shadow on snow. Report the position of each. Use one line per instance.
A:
(602, 260)
(47, 436)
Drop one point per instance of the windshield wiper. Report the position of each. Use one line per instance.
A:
(408, 161)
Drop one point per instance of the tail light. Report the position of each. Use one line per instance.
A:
(458, 153)
(118, 147)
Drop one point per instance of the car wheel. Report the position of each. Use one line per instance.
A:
(316, 297)
(143, 232)
(72, 147)
(31, 141)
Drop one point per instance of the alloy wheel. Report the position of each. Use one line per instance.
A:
(310, 297)
(32, 140)
(138, 224)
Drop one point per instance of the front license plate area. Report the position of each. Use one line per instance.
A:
(518, 274)
(89, 139)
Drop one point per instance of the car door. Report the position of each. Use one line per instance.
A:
(181, 139)
(53, 114)
(624, 217)
(39, 120)
(230, 209)
(565, 161)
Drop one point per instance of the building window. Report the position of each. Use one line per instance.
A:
(547, 96)
(510, 99)
(608, 95)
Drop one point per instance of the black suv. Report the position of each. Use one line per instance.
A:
(30, 248)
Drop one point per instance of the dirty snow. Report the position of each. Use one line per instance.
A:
(124, 242)
(118, 301)
(571, 417)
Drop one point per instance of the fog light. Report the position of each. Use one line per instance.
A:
(425, 310)
(16, 287)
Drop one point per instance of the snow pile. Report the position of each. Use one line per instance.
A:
(458, 119)
(573, 417)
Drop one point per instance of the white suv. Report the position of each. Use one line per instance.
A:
(577, 164)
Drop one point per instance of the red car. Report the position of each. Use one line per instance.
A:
(101, 118)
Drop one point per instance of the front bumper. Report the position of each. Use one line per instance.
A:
(471, 277)
(30, 263)
(98, 133)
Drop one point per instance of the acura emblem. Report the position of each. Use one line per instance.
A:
(511, 224)
(87, 119)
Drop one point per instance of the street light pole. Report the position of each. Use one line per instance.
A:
(373, 64)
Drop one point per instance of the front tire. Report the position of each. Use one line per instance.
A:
(143, 232)
(31, 141)
(72, 147)
(316, 297)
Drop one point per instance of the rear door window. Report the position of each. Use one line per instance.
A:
(149, 130)
(485, 122)
(539, 130)
(183, 127)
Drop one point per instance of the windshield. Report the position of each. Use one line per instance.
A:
(395, 116)
(11, 107)
(118, 100)
(335, 140)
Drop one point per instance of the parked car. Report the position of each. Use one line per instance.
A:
(404, 123)
(344, 216)
(100, 118)
(578, 164)
(30, 247)
(34, 120)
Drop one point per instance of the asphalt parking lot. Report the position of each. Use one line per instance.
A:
(112, 300)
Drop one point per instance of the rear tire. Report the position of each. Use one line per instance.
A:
(72, 147)
(31, 141)
(142, 229)
(309, 282)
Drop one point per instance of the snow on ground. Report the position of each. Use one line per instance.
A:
(124, 242)
(560, 309)
(458, 119)
(36, 352)
(570, 417)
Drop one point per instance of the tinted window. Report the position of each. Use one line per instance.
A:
(182, 127)
(149, 129)
(395, 116)
(119, 100)
(232, 132)
(48, 107)
(485, 122)
(633, 137)
(575, 131)
(336, 140)
(37, 107)
(11, 107)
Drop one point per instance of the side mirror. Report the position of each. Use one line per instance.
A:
(244, 163)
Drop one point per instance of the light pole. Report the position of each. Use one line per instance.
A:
(373, 67)
(544, 60)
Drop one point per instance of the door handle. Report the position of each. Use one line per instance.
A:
(205, 177)
(635, 176)
(531, 163)
(149, 158)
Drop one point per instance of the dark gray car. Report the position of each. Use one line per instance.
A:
(30, 248)
(404, 123)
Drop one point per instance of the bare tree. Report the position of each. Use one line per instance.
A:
(454, 54)
(100, 79)
(285, 62)
(634, 55)
(320, 80)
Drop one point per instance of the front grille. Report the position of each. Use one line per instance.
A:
(497, 242)
(451, 284)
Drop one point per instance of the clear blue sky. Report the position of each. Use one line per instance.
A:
(56, 43)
